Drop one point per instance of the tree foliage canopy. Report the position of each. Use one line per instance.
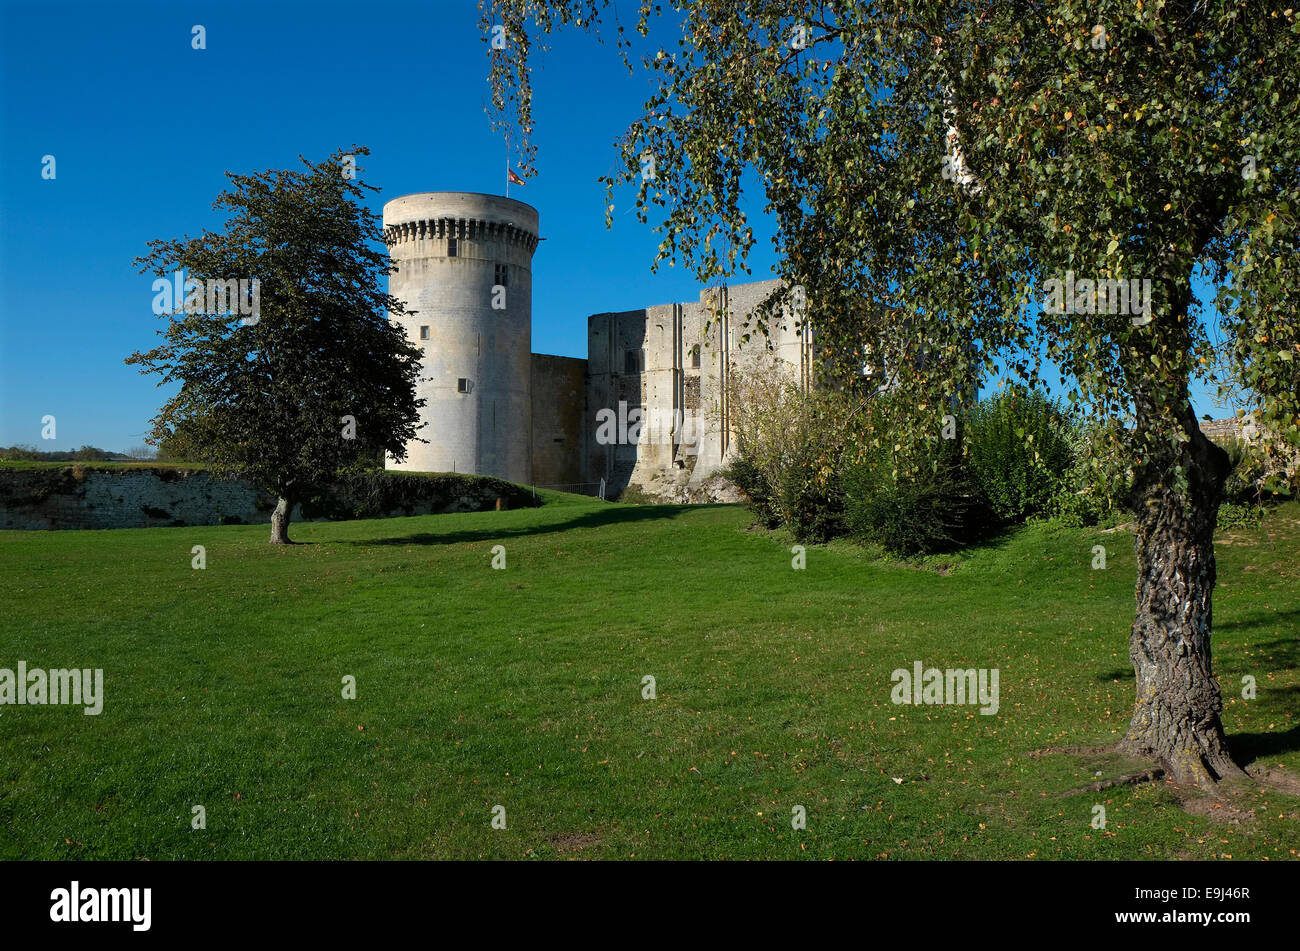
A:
(935, 170)
(929, 167)
(271, 396)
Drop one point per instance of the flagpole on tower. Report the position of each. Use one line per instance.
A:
(511, 177)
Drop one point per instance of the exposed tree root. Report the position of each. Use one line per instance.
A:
(1074, 750)
(1193, 765)
(1130, 779)
(1206, 794)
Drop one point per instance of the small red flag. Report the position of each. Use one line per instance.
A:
(513, 178)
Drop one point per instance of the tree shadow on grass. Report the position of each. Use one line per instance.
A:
(1265, 657)
(984, 541)
(1115, 675)
(1248, 747)
(1283, 653)
(613, 515)
(1262, 620)
(991, 539)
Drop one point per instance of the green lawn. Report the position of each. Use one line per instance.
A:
(523, 688)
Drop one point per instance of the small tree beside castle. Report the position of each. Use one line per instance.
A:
(290, 369)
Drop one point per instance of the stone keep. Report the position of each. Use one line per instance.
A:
(464, 269)
(492, 407)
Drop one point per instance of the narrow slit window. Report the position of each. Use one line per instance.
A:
(424, 333)
(451, 247)
(502, 275)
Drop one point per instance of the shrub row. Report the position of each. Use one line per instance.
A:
(1019, 456)
(363, 492)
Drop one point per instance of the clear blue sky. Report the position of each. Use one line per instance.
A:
(142, 127)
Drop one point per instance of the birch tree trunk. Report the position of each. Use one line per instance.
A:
(1176, 719)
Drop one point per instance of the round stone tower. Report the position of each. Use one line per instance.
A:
(464, 267)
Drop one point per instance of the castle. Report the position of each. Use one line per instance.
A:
(463, 268)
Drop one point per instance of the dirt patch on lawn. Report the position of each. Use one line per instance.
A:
(1218, 809)
(1276, 777)
(569, 842)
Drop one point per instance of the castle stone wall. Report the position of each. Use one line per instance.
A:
(494, 408)
(663, 361)
(559, 397)
(75, 497)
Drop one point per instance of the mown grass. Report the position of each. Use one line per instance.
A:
(523, 688)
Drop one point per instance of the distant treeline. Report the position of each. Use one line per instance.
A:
(84, 454)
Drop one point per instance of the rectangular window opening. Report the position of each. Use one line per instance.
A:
(424, 333)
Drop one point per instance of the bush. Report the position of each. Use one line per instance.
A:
(360, 492)
(745, 472)
(934, 508)
(795, 484)
(810, 499)
(1094, 488)
(790, 446)
(1236, 513)
(774, 422)
(1244, 483)
(1018, 449)
(1251, 484)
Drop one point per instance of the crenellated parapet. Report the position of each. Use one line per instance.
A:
(469, 216)
(472, 229)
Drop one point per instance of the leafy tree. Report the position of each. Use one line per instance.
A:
(1018, 446)
(186, 441)
(319, 378)
(945, 161)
